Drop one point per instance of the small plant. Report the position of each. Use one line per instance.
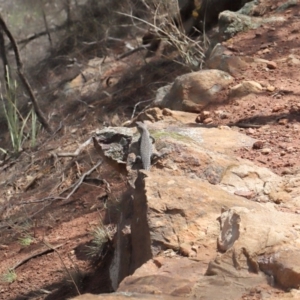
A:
(10, 276)
(15, 121)
(26, 240)
(101, 235)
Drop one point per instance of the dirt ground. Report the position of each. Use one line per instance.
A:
(56, 265)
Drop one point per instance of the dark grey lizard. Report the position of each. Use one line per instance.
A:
(145, 145)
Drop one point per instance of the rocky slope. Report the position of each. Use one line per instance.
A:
(216, 217)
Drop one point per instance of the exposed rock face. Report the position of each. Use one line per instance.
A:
(188, 230)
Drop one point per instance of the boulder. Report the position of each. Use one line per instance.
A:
(192, 92)
(230, 23)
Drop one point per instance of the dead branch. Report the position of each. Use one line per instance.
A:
(67, 6)
(140, 48)
(77, 152)
(46, 26)
(38, 35)
(74, 187)
(43, 252)
(24, 80)
(4, 59)
(137, 104)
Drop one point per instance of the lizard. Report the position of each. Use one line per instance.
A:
(146, 149)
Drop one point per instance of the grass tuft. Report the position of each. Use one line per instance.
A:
(10, 276)
(15, 121)
(101, 235)
(26, 241)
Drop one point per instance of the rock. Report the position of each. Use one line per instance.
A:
(195, 199)
(248, 8)
(266, 151)
(272, 65)
(230, 23)
(222, 114)
(282, 266)
(161, 93)
(245, 88)
(194, 91)
(198, 119)
(295, 109)
(240, 225)
(286, 5)
(278, 107)
(270, 88)
(283, 121)
(218, 59)
(207, 121)
(251, 130)
(293, 60)
(171, 202)
(203, 116)
(282, 153)
(258, 145)
(245, 194)
(279, 197)
(164, 276)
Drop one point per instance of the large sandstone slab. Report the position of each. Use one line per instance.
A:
(202, 218)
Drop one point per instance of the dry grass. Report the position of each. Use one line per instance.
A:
(169, 29)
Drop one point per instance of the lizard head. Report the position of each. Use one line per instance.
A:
(140, 125)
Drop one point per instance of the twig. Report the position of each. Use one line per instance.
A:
(245, 125)
(46, 251)
(38, 35)
(54, 249)
(79, 182)
(78, 150)
(136, 105)
(75, 186)
(140, 48)
(47, 27)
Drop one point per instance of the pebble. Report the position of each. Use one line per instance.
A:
(74, 130)
(203, 117)
(205, 114)
(207, 121)
(266, 151)
(277, 108)
(245, 194)
(286, 171)
(222, 114)
(258, 145)
(251, 130)
(283, 121)
(198, 119)
(270, 88)
(272, 65)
